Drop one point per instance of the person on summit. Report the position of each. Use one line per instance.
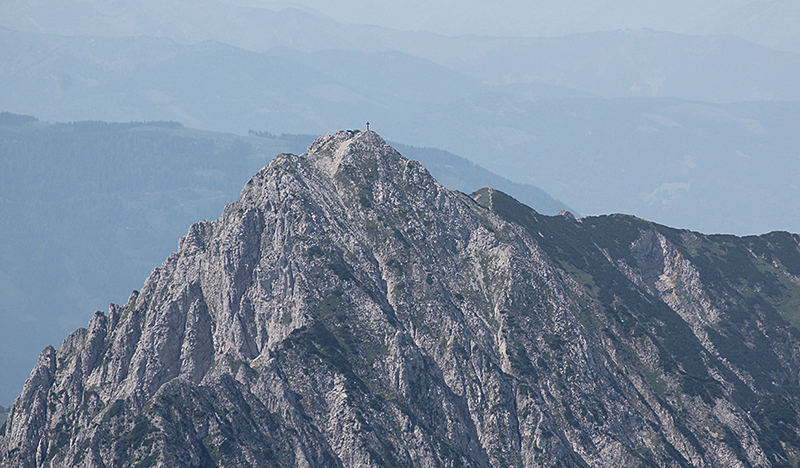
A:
(367, 125)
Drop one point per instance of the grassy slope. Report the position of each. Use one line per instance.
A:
(754, 281)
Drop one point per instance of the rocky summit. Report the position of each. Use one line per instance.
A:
(348, 310)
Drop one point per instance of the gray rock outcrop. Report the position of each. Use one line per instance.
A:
(348, 310)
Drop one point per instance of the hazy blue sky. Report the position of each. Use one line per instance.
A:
(768, 22)
(518, 17)
(771, 22)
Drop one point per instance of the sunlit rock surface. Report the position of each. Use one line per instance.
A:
(348, 310)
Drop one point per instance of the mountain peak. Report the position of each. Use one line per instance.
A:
(345, 139)
(348, 310)
(357, 167)
(350, 147)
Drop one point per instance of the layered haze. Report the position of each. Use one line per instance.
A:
(686, 114)
(771, 23)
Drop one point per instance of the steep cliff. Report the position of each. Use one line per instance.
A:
(348, 310)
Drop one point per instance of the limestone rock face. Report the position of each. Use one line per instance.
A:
(348, 310)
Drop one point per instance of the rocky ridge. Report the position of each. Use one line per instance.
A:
(348, 310)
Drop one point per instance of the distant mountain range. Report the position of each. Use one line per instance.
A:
(252, 24)
(770, 23)
(712, 167)
(634, 63)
